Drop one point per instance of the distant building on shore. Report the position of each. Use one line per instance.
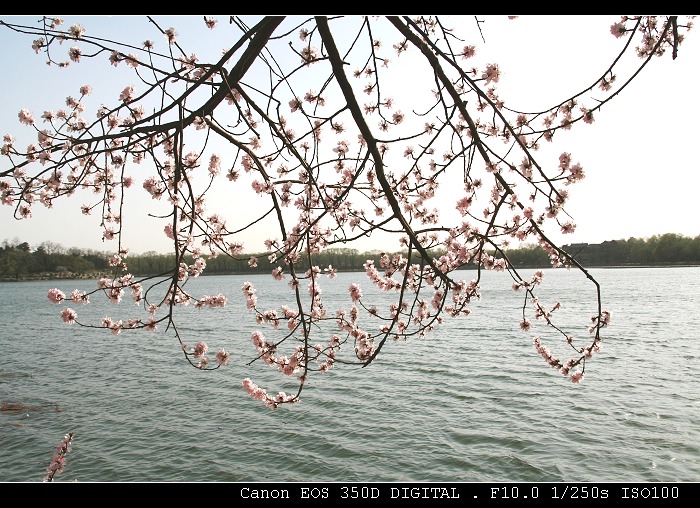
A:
(593, 252)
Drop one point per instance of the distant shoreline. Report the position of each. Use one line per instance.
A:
(98, 275)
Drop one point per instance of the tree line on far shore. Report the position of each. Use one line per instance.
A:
(19, 260)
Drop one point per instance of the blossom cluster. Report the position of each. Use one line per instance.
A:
(58, 460)
(312, 166)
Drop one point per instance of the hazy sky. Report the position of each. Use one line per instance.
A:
(640, 155)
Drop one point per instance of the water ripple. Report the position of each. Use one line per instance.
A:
(471, 402)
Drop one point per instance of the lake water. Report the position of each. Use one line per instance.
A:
(472, 402)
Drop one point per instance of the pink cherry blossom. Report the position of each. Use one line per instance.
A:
(56, 295)
(618, 29)
(38, 44)
(75, 53)
(151, 325)
(200, 349)
(26, 117)
(58, 460)
(355, 292)
(468, 51)
(280, 177)
(68, 316)
(492, 73)
(77, 31)
(309, 54)
(222, 357)
(171, 35)
(127, 94)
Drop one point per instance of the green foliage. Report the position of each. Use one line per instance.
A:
(18, 260)
(666, 249)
